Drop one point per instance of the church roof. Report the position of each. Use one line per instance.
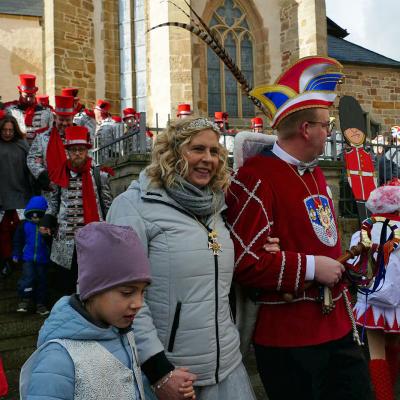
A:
(33, 8)
(351, 53)
(335, 30)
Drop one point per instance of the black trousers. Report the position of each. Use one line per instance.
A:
(62, 281)
(336, 370)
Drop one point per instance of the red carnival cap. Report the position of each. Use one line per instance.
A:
(309, 83)
(129, 112)
(183, 109)
(77, 135)
(117, 118)
(64, 105)
(103, 105)
(220, 116)
(28, 83)
(257, 122)
(2, 114)
(43, 100)
(69, 92)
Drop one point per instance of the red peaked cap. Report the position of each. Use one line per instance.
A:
(183, 109)
(129, 112)
(117, 118)
(64, 106)
(43, 99)
(220, 116)
(69, 92)
(77, 135)
(28, 83)
(103, 105)
(257, 122)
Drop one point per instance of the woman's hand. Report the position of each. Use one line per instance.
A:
(272, 245)
(178, 386)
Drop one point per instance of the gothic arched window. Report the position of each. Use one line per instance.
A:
(229, 24)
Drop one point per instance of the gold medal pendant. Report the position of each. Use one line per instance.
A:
(213, 244)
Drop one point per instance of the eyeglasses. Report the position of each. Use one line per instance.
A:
(327, 125)
(79, 150)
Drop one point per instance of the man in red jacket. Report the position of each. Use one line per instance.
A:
(302, 353)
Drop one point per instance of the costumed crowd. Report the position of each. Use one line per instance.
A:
(160, 292)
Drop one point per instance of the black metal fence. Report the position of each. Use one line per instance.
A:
(385, 158)
(136, 140)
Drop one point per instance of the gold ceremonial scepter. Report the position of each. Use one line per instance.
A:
(327, 304)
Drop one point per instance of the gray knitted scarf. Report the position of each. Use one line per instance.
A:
(201, 202)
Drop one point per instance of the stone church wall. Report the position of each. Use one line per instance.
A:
(82, 48)
(378, 91)
(21, 51)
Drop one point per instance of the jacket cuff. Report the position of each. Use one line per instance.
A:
(156, 367)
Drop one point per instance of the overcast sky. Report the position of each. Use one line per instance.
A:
(374, 24)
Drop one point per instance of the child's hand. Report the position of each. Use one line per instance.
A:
(44, 231)
(272, 246)
(187, 390)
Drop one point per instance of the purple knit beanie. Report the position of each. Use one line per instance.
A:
(109, 256)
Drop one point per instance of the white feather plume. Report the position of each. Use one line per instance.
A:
(248, 144)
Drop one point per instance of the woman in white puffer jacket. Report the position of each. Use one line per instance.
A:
(176, 207)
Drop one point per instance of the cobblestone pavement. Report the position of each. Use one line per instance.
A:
(250, 364)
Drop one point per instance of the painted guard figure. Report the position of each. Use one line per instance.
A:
(359, 165)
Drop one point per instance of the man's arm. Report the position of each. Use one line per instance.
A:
(106, 194)
(35, 157)
(50, 218)
(250, 216)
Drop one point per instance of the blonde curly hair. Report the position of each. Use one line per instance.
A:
(168, 160)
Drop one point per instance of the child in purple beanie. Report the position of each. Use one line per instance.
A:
(86, 348)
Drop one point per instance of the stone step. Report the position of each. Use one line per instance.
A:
(14, 359)
(14, 325)
(13, 384)
(12, 344)
(10, 282)
(15, 351)
(8, 301)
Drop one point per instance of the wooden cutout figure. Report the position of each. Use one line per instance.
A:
(359, 165)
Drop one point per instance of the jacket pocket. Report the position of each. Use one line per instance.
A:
(175, 325)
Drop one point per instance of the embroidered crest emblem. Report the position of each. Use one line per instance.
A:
(321, 218)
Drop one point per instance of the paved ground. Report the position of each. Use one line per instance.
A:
(250, 363)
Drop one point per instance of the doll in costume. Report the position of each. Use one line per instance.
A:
(379, 310)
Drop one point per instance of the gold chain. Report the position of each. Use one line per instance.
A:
(324, 213)
(304, 183)
(213, 244)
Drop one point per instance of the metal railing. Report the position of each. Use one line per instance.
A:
(386, 157)
(386, 160)
(135, 141)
